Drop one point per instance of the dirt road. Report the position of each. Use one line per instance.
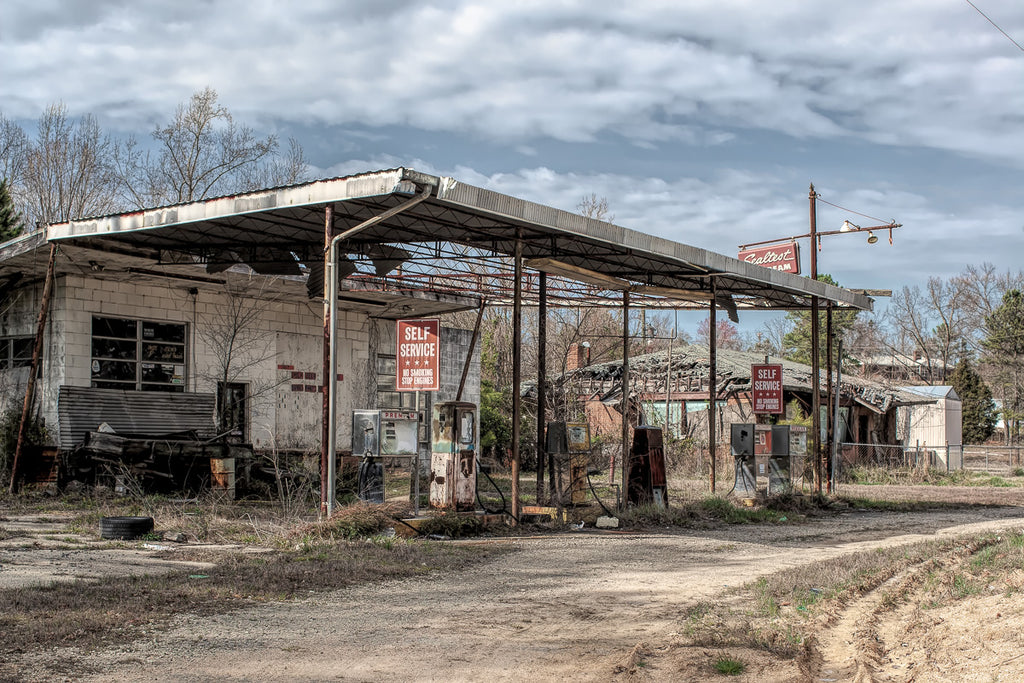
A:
(568, 608)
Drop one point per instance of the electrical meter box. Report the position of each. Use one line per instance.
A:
(797, 451)
(646, 480)
(453, 456)
(779, 462)
(578, 434)
(743, 446)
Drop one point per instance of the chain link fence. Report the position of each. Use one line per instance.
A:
(984, 458)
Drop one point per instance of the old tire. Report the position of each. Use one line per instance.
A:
(125, 528)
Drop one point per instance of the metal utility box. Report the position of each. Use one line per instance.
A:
(381, 434)
(385, 433)
(453, 456)
(779, 464)
(797, 451)
(646, 480)
(742, 447)
(578, 434)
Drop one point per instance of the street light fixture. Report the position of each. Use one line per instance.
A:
(816, 236)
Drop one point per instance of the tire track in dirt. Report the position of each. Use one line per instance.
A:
(852, 646)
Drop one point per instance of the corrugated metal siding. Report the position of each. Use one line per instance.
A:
(83, 409)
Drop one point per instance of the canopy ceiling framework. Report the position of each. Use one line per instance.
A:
(458, 241)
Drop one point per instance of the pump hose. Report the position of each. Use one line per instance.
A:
(599, 501)
(496, 488)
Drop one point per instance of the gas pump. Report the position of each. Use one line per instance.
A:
(453, 456)
(579, 460)
(378, 434)
(646, 480)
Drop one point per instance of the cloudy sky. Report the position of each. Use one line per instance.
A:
(700, 121)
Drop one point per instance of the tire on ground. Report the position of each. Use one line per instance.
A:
(125, 528)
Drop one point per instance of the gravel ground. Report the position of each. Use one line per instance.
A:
(565, 607)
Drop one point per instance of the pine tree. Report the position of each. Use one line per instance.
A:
(979, 411)
(1004, 350)
(11, 221)
(797, 342)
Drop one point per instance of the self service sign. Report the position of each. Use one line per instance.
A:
(419, 350)
(766, 388)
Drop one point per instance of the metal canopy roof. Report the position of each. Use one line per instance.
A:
(457, 241)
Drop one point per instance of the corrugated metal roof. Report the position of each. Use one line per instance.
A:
(734, 374)
(291, 220)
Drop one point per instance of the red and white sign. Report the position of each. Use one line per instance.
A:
(419, 351)
(785, 257)
(766, 388)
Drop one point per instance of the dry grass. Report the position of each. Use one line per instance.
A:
(91, 614)
(779, 612)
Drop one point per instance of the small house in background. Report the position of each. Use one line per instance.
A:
(935, 422)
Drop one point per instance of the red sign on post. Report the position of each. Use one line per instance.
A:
(785, 257)
(419, 351)
(766, 388)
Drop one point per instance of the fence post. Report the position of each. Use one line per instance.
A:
(947, 456)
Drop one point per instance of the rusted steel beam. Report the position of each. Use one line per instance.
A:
(517, 359)
(37, 350)
(625, 395)
(712, 387)
(325, 415)
(542, 381)
(469, 355)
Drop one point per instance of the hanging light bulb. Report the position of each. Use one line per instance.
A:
(872, 237)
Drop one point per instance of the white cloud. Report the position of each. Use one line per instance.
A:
(909, 73)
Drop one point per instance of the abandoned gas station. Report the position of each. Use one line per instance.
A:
(284, 302)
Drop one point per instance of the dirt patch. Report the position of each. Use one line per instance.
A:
(586, 606)
(40, 549)
(581, 606)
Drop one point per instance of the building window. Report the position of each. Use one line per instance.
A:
(16, 352)
(138, 355)
(387, 397)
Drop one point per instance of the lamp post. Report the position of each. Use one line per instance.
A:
(815, 235)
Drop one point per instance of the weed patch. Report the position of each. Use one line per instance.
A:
(92, 614)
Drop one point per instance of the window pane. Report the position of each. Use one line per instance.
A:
(123, 386)
(163, 387)
(114, 327)
(22, 351)
(386, 365)
(169, 353)
(164, 332)
(111, 369)
(388, 399)
(116, 349)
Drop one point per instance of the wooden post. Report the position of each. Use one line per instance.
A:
(37, 350)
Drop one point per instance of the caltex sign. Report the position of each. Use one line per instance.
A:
(785, 257)
(766, 389)
(419, 351)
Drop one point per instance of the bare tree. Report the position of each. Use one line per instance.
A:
(203, 153)
(238, 342)
(593, 207)
(727, 335)
(770, 338)
(981, 292)
(13, 148)
(67, 169)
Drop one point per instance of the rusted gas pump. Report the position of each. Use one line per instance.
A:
(646, 481)
(453, 456)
